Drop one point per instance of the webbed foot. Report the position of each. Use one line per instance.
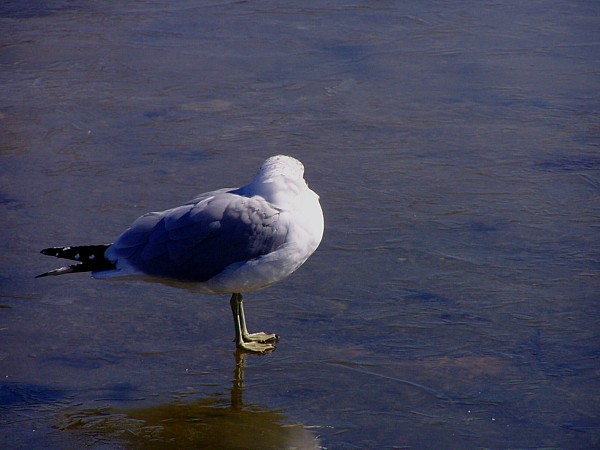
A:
(261, 337)
(250, 342)
(256, 347)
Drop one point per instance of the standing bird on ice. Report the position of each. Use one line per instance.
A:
(228, 241)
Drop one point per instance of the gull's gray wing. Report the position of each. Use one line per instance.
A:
(197, 241)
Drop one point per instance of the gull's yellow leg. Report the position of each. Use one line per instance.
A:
(252, 342)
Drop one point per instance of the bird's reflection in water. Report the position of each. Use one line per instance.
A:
(213, 422)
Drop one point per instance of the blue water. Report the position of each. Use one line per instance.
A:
(453, 302)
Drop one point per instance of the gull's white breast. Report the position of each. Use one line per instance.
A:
(303, 217)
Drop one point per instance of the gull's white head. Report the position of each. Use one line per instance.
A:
(280, 166)
(279, 179)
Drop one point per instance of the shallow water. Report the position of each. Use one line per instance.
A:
(453, 302)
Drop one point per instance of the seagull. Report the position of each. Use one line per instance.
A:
(228, 241)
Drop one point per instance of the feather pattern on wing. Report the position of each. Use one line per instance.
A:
(197, 241)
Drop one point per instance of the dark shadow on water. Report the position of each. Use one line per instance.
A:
(14, 394)
(424, 296)
(218, 421)
(569, 164)
(16, 9)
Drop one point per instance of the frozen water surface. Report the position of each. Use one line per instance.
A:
(453, 302)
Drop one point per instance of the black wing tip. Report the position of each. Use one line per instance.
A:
(50, 251)
(90, 258)
(63, 270)
(77, 252)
